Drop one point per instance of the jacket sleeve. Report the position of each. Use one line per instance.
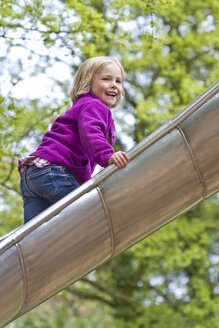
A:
(93, 121)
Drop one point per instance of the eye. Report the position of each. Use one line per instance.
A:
(106, 79)
(119, 81)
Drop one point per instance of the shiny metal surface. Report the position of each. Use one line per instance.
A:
(171, 171)
(205, 146)
(12, 284)
(160, 191)
(74, 242)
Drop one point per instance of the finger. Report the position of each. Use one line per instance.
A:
(114, 160)
(125, 155)
(118, 162)
(121, 160)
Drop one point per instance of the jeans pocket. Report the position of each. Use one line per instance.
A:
(42, 183)
(69, 177)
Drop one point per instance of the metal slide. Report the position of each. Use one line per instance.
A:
(171, 171)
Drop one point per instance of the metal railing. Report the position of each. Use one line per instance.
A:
(171, 171)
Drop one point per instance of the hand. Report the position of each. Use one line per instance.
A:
(120, 159)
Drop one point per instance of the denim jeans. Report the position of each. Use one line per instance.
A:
(42, 187)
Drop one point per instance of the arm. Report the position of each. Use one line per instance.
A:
(93, 121)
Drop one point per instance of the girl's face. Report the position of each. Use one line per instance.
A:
(107, 84)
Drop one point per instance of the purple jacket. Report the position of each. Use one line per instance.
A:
(78, 139)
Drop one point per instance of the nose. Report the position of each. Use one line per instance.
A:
(113, 84)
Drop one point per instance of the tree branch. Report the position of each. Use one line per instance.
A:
(9, 188)
(114, 294)
(89, 295)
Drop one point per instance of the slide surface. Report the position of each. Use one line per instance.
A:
(171, 171)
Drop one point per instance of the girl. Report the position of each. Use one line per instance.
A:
(77, 140)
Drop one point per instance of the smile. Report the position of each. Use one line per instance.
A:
(111, 94)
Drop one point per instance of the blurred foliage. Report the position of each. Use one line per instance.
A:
(169, 50)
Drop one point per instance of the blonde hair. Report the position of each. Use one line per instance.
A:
(86, 72)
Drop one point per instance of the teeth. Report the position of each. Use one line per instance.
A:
(111, 94)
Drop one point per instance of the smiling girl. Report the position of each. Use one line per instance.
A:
(77, 140)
